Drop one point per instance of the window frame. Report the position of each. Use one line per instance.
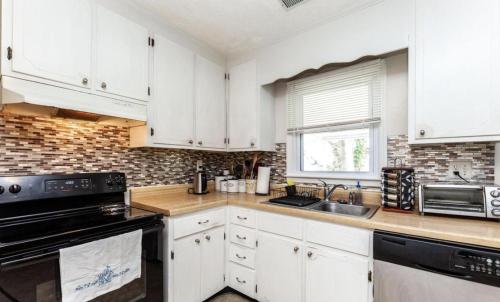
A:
(378, 152)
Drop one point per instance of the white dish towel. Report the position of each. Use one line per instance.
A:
(95, 268)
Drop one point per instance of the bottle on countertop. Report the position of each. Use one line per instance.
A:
(358, 193)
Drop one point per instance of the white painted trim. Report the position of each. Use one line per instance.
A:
(497, 163)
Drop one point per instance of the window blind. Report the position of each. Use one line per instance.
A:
(343, 98)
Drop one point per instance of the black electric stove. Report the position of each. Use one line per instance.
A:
(39, 215)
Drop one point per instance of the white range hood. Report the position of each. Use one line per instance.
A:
(19, 95)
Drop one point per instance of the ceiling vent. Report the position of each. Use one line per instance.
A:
(290, 3)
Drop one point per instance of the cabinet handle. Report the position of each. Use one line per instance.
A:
(252, 144)
(190, 141)
(242, 238)
(104, 85)
(197, 241)
(200, 143)
(240, 281)
(422, 132)
(241, 257)
(296, 249)
(208, 237)
(203, 222)
(85, 81)
(241, 218)
(309, 254)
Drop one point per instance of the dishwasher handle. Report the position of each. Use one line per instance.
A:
(442, 271)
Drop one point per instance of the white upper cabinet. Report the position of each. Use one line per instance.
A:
(210, 105)
(122, 56)
(242, 117)
(52, 40)
(250, 111)
(172, 114)
(455, 71)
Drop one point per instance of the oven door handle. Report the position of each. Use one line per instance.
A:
(8, 265)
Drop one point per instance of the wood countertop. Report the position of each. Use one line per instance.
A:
(174, 200)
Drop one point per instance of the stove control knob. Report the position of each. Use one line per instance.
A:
(14, 189)
(2, 190)
(109, 181)
(495, 203)
(495, 194)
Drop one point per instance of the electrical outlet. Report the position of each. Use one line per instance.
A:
(199, 165)
(462, 166)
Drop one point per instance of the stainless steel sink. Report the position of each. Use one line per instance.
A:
(364, 211)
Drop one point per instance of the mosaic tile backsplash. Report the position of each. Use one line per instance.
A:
(36, 145)
(431, 161)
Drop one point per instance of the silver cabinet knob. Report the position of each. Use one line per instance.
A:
(296, 249)
(309, 254)
(252, 144)
(104, 85)
(197, 241)
(422, 132)
(200, 143)
(208, 237)
(85, 81)
(190, 141)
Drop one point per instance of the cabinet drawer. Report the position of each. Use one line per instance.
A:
(243, 236)
(242, 279)
(280, 224)
(242, 255)
(242, 216)
(198, 222)
(340, 237)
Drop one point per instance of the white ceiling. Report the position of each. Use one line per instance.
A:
(237, 26)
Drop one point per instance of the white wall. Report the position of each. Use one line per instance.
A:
(375, 30)
(159, 26)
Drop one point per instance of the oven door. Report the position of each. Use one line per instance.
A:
(35, 278)
(463, 200)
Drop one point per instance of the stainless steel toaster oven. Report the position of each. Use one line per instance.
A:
(473, 200)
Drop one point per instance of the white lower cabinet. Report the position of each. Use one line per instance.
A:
(333, 275)
(196, 261)
(279, 269)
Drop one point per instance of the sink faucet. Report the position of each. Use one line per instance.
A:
(329, 192)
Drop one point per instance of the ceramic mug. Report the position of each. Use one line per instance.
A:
(218, 179)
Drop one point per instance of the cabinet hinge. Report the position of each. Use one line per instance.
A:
(256, 243)
(224, 236)
(224, 277)
(225, 140)
(172, 255)
(149, 90)
(152, 130)
(151, 42)
(256, 288)
(9, 53)
(370, 276)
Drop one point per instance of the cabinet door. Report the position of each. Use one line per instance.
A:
(336, 276)
(122, 56)
(279, 270)
(242, 116)
(457, 67)
(210, 104)
(186, 269)
(212, 263)
(173, 108)
(53, 40)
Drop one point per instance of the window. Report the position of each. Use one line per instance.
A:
(334, 121)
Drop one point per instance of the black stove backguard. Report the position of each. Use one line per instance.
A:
(39, 215)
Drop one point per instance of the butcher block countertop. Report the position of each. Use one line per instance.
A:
(174, 200)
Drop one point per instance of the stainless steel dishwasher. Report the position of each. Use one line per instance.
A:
(412, 269)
